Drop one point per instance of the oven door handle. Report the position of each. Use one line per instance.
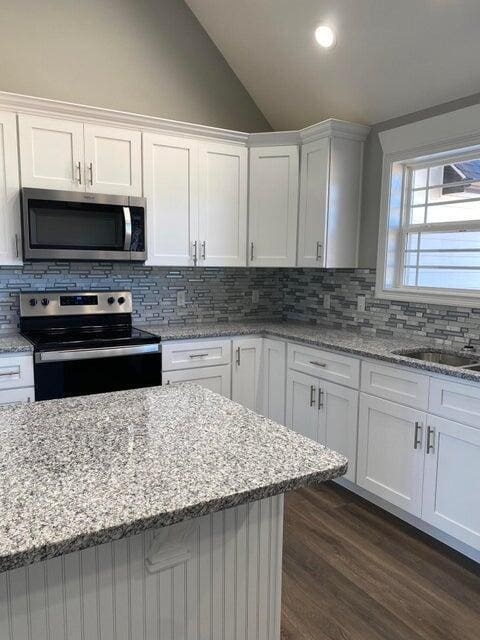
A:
(92, 354)
(128, 228)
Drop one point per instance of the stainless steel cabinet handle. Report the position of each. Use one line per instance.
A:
(318, 364)
(194, 253)
(78, 165)
(238, 355)
(251, 250)
(319, 253)
(430, 439)
(320, 398)
(10, 373)
(417, 438)
(90, 172)
(197, 355)
(16, 244)
(204, 250)
(312, 395)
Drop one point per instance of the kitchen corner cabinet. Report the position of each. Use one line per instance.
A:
(222, 205)
(10, 233)
(273, 206)
(73, 156)
(246, 372)
(329, 211)
(325, 412)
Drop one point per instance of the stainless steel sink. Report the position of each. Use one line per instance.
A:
(443, 357)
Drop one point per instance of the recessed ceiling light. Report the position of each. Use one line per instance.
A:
(325, 36)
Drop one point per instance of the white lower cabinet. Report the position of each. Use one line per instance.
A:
(17, 396)
(390, 452)
(274, 379)
(217, 379)
(325, 412)
(246, 370)
(451, 485)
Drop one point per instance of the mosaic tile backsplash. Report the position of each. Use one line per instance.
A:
(222, 294)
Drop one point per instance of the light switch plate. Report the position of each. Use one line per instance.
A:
(326, 301)
(181, 299)
(361, 303)
(255, 296)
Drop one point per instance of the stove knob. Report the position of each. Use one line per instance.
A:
(111, 300)
(121, 300)
(45, 301)
(33, 302)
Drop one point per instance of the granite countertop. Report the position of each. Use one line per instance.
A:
(82, 471)
(14, 343)
(388, 349)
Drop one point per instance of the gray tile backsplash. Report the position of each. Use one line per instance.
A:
(222, 294)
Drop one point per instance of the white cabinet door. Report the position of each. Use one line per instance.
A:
(217, 379)
(223, 205)
(451, 487)
(302, 414)
(273, 206)
(314, 182)
(51, 153)
(388, 464)
(10, 233)
(113, 160)
(17, 396)
(274, 379)
(170, 174)
(246, 369)
(337, 411)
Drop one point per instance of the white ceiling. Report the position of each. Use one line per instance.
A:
(392, 56)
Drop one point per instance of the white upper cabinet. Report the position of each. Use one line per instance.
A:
(222, 205)
(71, 156)
(170, 173)
(113, 160)
(51, 153)
(329, 213)
(10, 234)
(273, 206)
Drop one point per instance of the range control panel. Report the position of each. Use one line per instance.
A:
(74, 303)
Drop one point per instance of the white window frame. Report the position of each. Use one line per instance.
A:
(411, 146)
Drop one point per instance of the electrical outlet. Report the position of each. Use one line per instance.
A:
(361, 303)
(181, 299)
(326, 301)
(255, 296)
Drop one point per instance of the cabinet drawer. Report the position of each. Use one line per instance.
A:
(395, 383)
(17, 396)
(195, 353)
(455, 400)
(217, 379)
(324, 364)
(16, 371)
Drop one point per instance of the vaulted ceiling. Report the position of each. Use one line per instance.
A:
(392, 57)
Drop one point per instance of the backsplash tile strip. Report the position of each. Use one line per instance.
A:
(225, 294)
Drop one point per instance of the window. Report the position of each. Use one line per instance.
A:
(432, 241)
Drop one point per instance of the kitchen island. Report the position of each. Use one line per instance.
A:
(153, 513)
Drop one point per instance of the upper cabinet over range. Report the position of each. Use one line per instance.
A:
(72, 156)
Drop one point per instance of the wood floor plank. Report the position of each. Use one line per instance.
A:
(353, 572)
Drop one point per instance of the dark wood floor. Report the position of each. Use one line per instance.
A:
(353, 572)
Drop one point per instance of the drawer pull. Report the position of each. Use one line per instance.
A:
(198, 355)
(9, 373)
(238, 356)
(430, 439)
(318, 364)
(417, 438)
(312, 395)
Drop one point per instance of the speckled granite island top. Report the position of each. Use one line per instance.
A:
(82, 471)
(14, 343)
(386, 348)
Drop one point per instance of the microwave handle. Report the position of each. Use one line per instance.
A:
(128, 228)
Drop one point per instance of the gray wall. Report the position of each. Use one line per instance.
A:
(372, 176)
(145, 56)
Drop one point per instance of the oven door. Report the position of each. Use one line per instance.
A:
(81, 226)
(63, 374)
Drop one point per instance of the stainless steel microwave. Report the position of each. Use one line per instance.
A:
(69, 225)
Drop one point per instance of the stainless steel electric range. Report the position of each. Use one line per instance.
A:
(84, 343)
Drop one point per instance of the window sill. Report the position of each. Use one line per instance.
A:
(429, 297)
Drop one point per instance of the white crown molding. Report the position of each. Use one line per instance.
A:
(73, 111)
(84, 113)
